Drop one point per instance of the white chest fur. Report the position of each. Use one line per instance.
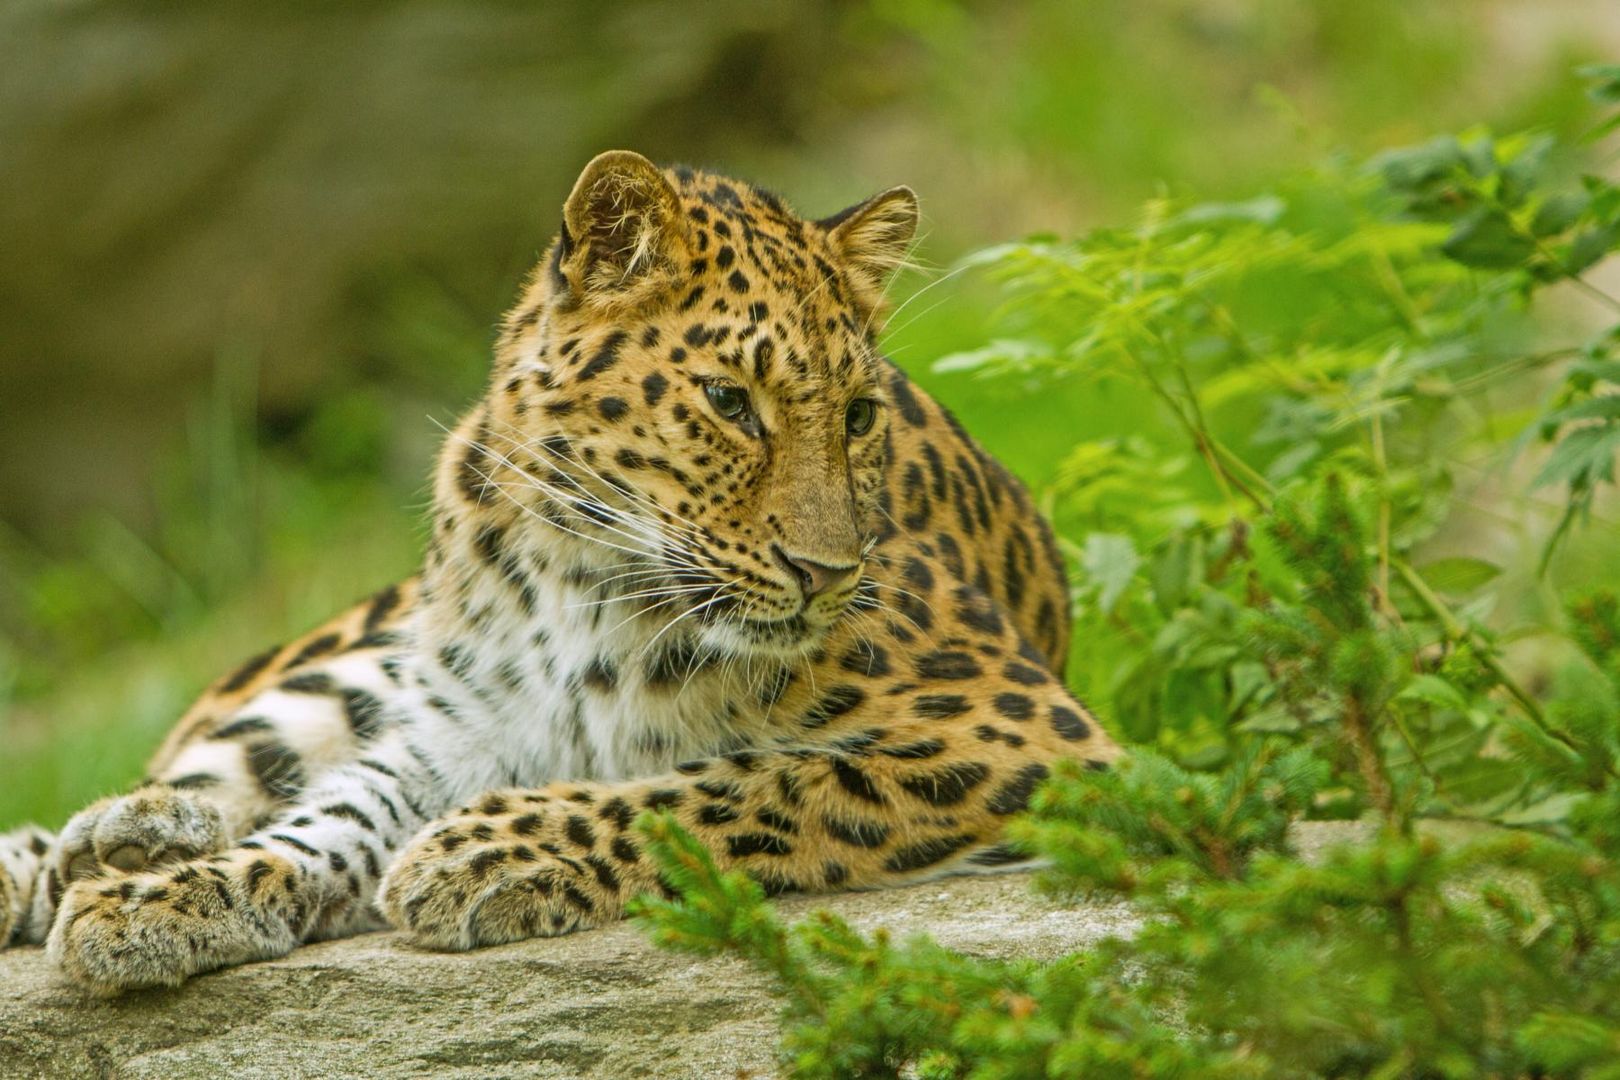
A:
(525, 679)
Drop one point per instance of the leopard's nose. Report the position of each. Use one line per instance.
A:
(815, 577)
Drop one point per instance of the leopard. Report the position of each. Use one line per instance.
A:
(701, 549)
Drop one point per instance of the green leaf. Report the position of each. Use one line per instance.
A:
(1263, 210)
(1486, 239)
(1558, 213)
(1589, 247)
(1415, 169)
(1433, 690)
(1110, 560)
(1459, 574)
(1566, 1041)
(1605, 87)
(1602, 407)
(1583, 456)
(1601, 370)
(1000, 354)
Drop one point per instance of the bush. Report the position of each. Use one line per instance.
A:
(1268, 637)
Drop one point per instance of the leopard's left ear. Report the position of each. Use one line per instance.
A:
(873, 239)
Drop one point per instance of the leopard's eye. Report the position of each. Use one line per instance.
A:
(729, 401)
(860, 415)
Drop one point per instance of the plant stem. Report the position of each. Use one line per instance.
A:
(1201, 438)
(1371, 764)
(1458, 631)
(1382, 465)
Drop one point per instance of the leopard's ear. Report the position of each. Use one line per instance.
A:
(873, 238)
(623, 236)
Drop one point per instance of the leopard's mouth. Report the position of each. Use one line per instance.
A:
(741, 617)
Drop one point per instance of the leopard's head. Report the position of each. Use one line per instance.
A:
(689, 393)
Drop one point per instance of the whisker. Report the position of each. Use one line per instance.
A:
(621, 487)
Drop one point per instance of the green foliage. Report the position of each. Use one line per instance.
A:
(1273, 635)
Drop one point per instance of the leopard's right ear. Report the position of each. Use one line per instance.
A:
(623, 233)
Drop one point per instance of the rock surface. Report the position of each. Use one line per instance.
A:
(606, 1003)
(603, 1004)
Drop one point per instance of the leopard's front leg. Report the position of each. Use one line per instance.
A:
(244, 751)
(309, 873)
(883, 804)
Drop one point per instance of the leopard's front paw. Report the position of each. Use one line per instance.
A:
(150, 827)
(470, 882)
(156, 928)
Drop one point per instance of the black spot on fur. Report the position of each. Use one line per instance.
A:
(856, 782)
(605, 876)
(927, 853)
(947, 786)
(605, 357)
(245, 674)
(1024, 675)
(258, 870)
(865, 658)
(310, 682)
(775, 819)
(1000, 855)
(318, 646)
(948, 664)
(192, 781)
(940, 706)
(279, 771)
(775, 685)
(721, 789)
(757, 844)
(350, 812)
(925, 748)
(486, 860)
(976, 611)
(674, 665)
(580, 831)
(364, 713)
(1014, 706)
(294, 843)
(911, 409)
(1068, 724)
(861, 834)
(617, 811)
(600, 675)
(837, 701)
(717, 814)
(382, 606)
(1013, 796)
(247, 725)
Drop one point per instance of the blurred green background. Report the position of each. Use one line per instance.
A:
(253, 255)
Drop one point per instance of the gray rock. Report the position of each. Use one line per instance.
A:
(603, 1004)
(606, 1003)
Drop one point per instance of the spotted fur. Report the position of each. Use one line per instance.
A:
(700, 548)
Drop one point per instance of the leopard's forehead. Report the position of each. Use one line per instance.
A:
(760, 268)
(738, 212)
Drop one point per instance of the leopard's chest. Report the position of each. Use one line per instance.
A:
(551, 683)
